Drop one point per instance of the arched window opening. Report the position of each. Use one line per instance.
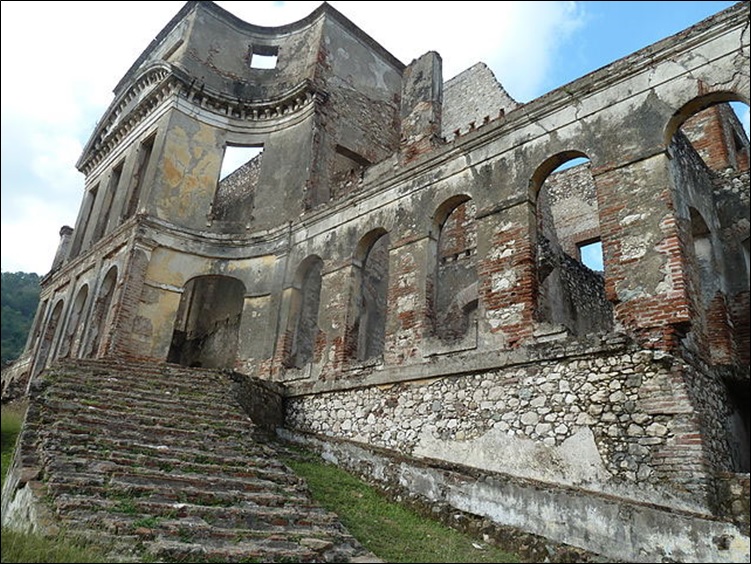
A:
(47, 342)
(207, 323)
(371, 279)
(708, 145)
(304, 306)
(719, 136)
(101, 314)
(69, 345)
(105, 211)
(455, 287)
(571, 292)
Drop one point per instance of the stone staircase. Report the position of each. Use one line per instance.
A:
(159, 462)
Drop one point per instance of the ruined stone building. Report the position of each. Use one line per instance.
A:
(403, 256)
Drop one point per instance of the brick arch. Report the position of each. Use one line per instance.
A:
(545, 168)
(695, 105)
(365, 244)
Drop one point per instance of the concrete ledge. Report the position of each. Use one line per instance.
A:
(605, 525)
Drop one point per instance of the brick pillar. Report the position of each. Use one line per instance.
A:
(126, 307)
(645, 274)
(506, 273)
(337, 345)
(407, 321)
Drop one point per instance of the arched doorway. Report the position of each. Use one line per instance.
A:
(101, 312)
(68, 345)
(208, 322)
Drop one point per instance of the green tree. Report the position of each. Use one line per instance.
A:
(19, 296)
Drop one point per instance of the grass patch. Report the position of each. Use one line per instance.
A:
(11, 419)
(28, 547)
(150, 522)
(392, 532)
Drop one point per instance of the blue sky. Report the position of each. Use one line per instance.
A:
(61, 60)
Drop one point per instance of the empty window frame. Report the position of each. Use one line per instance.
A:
(263, 56)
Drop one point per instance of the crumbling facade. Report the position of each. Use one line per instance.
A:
(405, 256)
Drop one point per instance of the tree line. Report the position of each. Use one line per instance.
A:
(19, 296)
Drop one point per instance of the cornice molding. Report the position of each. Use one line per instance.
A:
(162, 81)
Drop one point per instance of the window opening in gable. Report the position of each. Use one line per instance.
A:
(263, 57)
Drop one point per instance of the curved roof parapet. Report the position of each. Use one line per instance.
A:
(324, 9)
(185, 60)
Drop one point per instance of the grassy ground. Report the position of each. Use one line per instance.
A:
(11, 418)
(392, 532)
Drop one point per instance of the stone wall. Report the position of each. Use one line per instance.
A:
(601, 421)
(471, 99)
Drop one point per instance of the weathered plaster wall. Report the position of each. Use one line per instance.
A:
(219, 49)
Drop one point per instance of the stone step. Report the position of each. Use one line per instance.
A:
(245, 468)
(173, 480)
(145, 502)
(100, 422)
(212, 390)
(69, 433)
(161, 463)
(125, 402)
(208, 522)
(146, 499)
(146, 373)
(75, 466)
(105, 446)
(270, 551)
(197, 460)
